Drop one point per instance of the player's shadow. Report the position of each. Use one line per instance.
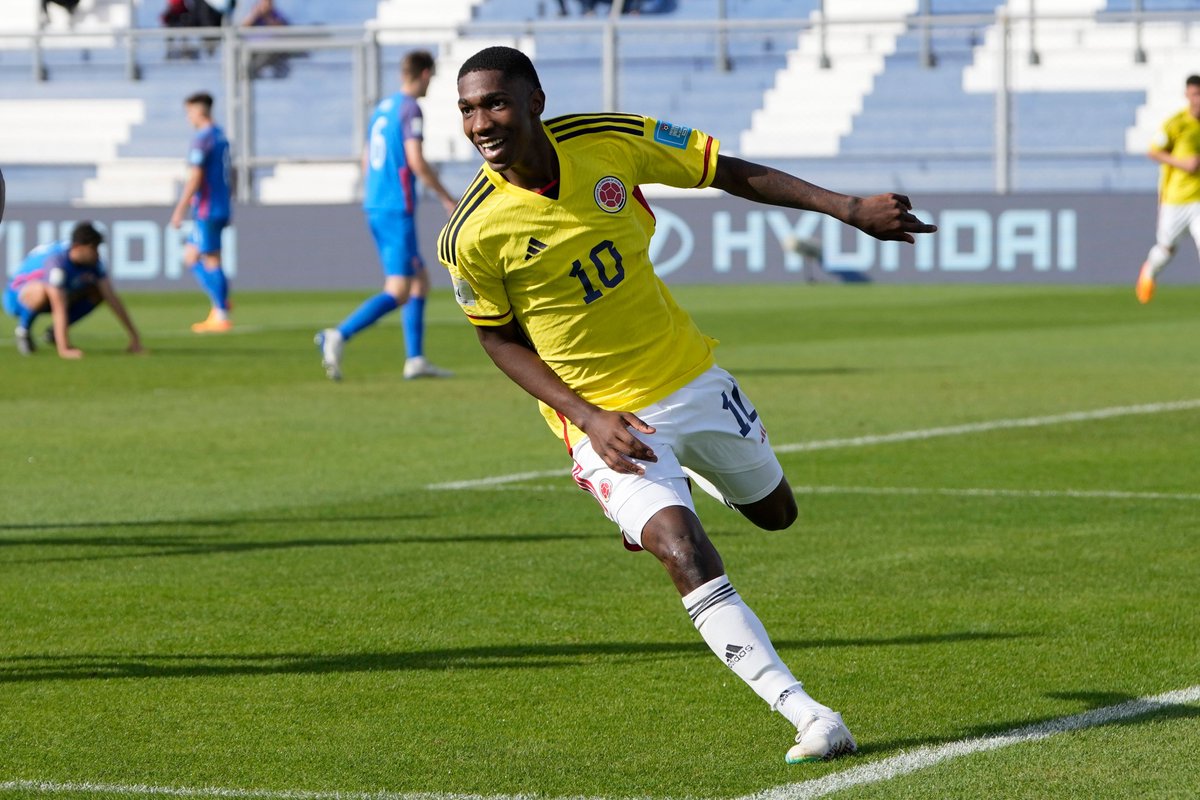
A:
(211, 522)
(1092, 709)
(179, 537)
(40, 668)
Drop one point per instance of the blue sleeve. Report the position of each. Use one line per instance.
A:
(198, 152)
(412, 121)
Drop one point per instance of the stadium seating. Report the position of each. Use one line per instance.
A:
(879, 117)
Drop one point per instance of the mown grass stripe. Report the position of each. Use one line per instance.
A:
(874, 772)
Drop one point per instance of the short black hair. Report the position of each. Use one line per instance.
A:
(85, 233)
(201, 99)
(1193, 80)
(508, 61)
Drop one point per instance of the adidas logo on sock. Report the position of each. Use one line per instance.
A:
(735, 653)
(535, 247)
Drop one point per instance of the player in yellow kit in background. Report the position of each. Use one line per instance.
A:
(548, 251)
(1177, 148)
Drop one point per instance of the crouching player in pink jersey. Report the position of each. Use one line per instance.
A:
(68, 279)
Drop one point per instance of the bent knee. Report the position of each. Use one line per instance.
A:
(777, 519)
(774, 512)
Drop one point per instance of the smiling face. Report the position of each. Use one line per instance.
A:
(502, 118)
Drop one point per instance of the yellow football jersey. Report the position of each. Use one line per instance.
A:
(575, 271)
(1180, 136)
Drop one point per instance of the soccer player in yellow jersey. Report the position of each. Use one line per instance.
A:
(548, 253)
(1177, 148)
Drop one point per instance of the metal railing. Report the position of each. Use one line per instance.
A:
(363, 44)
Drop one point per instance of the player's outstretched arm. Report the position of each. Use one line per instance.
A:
(118, 308)
(58, 317)
(611, 432)
(884, 216)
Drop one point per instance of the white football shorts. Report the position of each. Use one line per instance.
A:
(708, 426)
(1174, 219)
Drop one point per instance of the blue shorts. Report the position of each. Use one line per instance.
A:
(395, 235)
(206, 234)
(12, 304)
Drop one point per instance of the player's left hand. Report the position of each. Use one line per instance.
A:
(888, 217)
(135, 348)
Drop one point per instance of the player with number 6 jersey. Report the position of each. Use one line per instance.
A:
(548, 251)
(393, 160)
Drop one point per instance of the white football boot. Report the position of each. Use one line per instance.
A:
(330, 343)
(418, 367)
(822, 738)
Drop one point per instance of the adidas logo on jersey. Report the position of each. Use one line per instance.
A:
(535, 247)
(735, 653)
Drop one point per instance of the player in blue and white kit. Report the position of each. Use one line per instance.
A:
(68, 279)
(207, 194)
(393, 161)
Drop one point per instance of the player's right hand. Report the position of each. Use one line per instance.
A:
(70, 353)
(611, 434)
(888, 217)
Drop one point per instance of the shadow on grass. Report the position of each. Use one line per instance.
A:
(39, 668)
(192, 523)
(221, 539)
(1094, 709)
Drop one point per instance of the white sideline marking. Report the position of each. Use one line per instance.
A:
(912, 491)
(874, 772)
(886, 438)
(993, 425)
(925, 757)
(496, 480)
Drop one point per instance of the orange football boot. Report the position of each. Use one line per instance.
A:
(213, 324)
(1145, 284)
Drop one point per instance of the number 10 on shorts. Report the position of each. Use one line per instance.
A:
(732, 402)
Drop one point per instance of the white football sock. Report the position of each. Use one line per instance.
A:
(1158, 258)
(798, 707)
(734, 633)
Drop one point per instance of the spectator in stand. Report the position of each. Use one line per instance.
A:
(69, 5)
(264, 14)
(178, 14)
(212, 13)
(195, 14)
(588, 7)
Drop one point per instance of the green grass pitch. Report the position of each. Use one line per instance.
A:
(218, 569)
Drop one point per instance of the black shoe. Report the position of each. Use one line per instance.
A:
(48, 337)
